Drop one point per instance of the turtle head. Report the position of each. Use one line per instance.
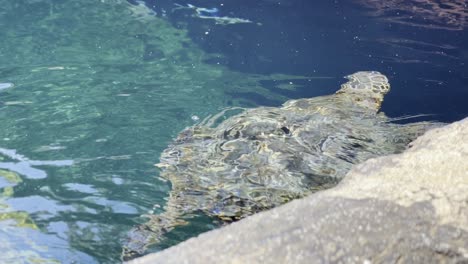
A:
(366, 88)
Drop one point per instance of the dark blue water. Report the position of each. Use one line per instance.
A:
(425, 56)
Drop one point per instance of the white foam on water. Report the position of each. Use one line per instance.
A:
(6, 85)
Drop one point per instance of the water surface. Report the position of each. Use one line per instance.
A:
(92, 91)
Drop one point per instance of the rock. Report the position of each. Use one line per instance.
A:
(406, 208)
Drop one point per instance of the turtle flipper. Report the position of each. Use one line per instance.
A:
(405, 134)
(417, 129)
(153, 231)
(139, 238)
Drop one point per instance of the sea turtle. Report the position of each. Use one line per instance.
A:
(266, 156)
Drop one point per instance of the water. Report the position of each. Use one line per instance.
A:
(92, 91)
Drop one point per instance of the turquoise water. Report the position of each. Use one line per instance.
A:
(100, 87)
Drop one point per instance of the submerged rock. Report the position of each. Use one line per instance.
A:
(267, 156)
(405, 208)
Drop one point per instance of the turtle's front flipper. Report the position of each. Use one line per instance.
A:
(417, 129)
(406, 133)
(153, 231)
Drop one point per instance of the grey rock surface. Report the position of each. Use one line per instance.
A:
(405, 208)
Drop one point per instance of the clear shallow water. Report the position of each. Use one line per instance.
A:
(101, 87)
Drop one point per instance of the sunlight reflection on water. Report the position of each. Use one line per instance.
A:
(24, 166)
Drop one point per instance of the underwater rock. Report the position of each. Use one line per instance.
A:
(448, 15)
(406, 208)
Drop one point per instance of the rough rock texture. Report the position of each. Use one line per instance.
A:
(406, 208)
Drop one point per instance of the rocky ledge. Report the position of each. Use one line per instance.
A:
(405, 208)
